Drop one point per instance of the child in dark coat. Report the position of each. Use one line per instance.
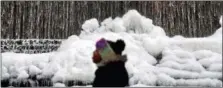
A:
(111, 72)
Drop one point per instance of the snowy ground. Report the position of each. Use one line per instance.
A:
(185, 61)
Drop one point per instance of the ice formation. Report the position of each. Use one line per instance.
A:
(185, 61)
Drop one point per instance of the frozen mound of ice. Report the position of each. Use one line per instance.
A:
(74, 63)
(192, 68)
(19, 65)
(184, 61)
(131, 22)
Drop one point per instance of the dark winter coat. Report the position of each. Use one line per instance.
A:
(112, 74)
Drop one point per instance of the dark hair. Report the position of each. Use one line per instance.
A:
(117, 46)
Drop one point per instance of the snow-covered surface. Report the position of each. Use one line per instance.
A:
(165, 80)
(59, 85)
(185, 61)
(199, 82)
(83, 86)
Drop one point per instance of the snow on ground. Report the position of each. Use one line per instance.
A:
(199, 82)
(165, 80)
(83, 86)
(140, 85)
(185, 61)
(59, 85)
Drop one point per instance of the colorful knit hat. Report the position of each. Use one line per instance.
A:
(103, 51)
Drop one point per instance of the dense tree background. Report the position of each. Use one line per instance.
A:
(60, 19)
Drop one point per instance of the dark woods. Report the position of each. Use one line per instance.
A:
(60, 19)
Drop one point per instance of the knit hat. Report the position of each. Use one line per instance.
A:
(107, 50)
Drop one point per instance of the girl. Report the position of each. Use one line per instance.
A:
(111, 70)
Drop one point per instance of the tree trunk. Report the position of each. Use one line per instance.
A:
(60, 19)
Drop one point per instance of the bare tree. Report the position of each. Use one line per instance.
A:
(60, 19)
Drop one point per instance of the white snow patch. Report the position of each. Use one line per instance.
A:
(157, 32)
(59, 76)
(5, 74)
(59, 85)
(33, 70)
(165, 80)
(182, 54)
(83, 86)
(139, 85)
(207, 82)
(215, 67)
(136, 23)
(174, 58)
(178, 73)
(106, 21)
(66, 44)
(193, 66)
(170, 64)
(143, 78)
(215, 59)
(217, 35)
(90, 25)
(23, 75)
(194, 44)
(209, 74)
(190, 66)
(117, 25)
(154, 46)
(201, 54)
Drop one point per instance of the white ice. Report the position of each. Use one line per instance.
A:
(185, 61)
